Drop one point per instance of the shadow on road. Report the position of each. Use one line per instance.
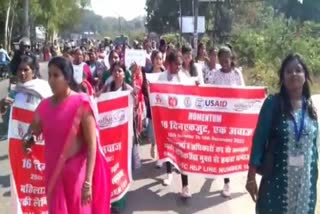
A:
(151, 169)
(4, 157)
(3, 132)
(147, 199)
(7, 194)
(5, 181)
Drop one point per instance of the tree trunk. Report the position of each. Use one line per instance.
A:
(10, 29)
(6, 27)
(26, 18)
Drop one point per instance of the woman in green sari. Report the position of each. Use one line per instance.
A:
(288, 121)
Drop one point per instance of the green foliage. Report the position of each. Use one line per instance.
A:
(106, 26)
(56, 15)
(263, 45)
(174, 38)
(309, 10)
(163, 15)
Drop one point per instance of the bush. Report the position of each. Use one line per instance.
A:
(262, 75)
(263, 45)
(174, 38)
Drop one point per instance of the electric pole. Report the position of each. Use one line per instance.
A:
(181, 23)
(26, 31)
(195, 33)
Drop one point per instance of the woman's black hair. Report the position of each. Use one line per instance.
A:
(68, 50)
(78, 49)
(186, 49)
(200, 45)
(228, 50)
(111, 54)
(229, 46)
(112, 69)
(162, 42)
(306, 91)
(118, 64)
(193, 69)
(154, 55)
(173, 56)
(213, 50)
(66, 68)
(29, 61)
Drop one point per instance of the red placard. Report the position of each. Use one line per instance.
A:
(28, 184)
(115, 123)
(205, 130)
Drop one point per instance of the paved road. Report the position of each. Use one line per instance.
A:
(148, 196)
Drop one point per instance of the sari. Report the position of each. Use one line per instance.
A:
(65, 174)
(32, 92)
(137, 81)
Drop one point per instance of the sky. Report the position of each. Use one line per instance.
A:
(127, 9)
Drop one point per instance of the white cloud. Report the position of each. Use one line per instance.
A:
(128, 9)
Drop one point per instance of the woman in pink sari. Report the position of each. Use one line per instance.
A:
(77, 176)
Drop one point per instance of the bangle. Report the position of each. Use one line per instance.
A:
(250, 181)
(87, 183)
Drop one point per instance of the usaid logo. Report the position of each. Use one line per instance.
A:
(158, 99)
(216, 103)
(199, 103)
(187, 102)
(172, 101)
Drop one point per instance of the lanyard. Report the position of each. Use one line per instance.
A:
(298, 130)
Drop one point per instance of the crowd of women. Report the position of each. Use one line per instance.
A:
(77, 180)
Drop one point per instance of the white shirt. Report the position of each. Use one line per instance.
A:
(4, 57)
(78, 72)
(109, 80)
(199, 69)
(208, 74)
(180, 77)
(232, 78)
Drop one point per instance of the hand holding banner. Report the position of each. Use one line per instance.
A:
(116, 131)
(28, 183)
(205, 130)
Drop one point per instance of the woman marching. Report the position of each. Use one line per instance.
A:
(28, 87)
(227, 75)
(157, 67)
(118, 84)
(285, 146)
(175, 74)
(211, 66)
(76, 174)
(189, 67)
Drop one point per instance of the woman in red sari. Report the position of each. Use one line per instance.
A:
(77, 176)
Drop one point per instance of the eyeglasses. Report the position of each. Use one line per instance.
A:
(27, 46)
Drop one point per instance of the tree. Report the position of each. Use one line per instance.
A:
(105, 26)
(309, 10)
(55, 15)
(163, 15)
